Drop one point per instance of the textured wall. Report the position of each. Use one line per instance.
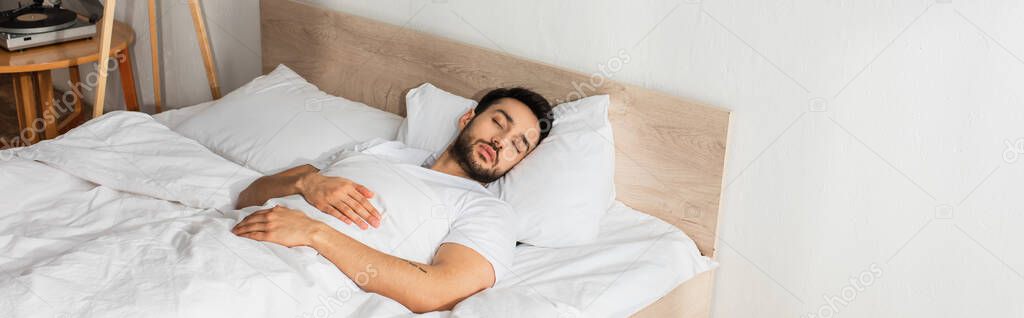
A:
(868, 172)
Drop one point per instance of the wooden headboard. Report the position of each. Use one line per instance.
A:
(670, 152)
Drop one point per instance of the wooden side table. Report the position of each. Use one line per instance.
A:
(33, 84)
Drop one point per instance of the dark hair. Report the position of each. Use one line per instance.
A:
(537, 104)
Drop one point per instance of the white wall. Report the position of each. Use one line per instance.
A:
(867, 136)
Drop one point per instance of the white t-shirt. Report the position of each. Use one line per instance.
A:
(477, 219)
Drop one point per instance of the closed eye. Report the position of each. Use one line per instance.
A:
(526, 144)
(517, 146)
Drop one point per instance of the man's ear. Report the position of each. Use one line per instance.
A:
(464, 120)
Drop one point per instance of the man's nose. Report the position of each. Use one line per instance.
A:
(498, 143)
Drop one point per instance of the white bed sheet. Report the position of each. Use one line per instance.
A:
(71, 247)
(636, 259)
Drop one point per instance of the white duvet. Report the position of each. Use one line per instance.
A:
(123, 217)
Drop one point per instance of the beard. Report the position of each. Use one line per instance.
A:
(463, 152)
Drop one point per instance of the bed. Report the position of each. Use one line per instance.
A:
(126, 216)
(373, 62)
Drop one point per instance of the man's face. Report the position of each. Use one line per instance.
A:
(493, 142)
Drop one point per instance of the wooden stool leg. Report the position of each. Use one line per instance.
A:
(25, 95)
(77, 116)
(18, 104)
(44, 80)
(124, 66)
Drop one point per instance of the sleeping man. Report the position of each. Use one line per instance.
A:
(390, 210)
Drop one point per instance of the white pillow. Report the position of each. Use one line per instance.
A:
(278, 121)
(174, 117)
(562, 189)
(429, 123)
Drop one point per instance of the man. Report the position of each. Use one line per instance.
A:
(505, 126)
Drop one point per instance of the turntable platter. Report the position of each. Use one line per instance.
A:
(38, 20)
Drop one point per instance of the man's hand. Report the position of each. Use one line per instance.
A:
(341, 198)
(279, 225)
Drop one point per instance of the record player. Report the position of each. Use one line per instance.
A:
(39, 24)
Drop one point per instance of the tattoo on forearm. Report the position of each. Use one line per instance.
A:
(417, 266)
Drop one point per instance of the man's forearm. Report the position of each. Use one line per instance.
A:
(282, 184)
(419, 287)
